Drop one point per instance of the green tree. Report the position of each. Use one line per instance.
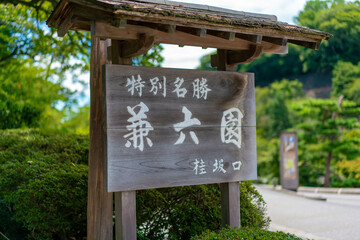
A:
(340, 18)
(323, 132)
(34, 63)
(346, 81)
(274, 67)
(25, 94)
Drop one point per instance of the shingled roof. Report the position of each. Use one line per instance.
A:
(182, 24)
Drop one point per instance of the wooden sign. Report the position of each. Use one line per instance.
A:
(289, 170)
(174, 127)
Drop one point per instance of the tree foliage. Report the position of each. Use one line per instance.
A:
(324, 128)
(346, 81)
(340, 18)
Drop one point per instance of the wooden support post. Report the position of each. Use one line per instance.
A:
(171, 29)
(120, 23)
(125, 215)
(100, 202)
(230, 193)
(201, 32)
(230, 36)
(125, 202)
(230, 204)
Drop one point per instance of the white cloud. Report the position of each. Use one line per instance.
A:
(188, 57)
(183, 57)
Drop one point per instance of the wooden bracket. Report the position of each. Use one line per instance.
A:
(66, 23)
(244, 56)
(132, 48)
(240, 56)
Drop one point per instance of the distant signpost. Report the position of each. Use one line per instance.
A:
(173, 127)
(289, 170)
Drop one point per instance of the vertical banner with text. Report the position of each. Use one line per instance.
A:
(175, 127)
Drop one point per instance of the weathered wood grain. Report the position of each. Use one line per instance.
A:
(125, 215)
(230, 193)
(125, 202)
(131, 32)
(100, 202)
(165, 164)
(230, 204)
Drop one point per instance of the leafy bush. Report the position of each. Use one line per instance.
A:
(43, 194)
(43, 183)
(245, 233)
(183, 212)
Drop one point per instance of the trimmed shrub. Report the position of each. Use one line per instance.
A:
(183, 212)
(245, 233)
(43, 183)
(43, 194)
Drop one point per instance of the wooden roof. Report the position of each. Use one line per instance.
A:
(162, 21)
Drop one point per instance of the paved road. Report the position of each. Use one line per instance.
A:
(338, 217)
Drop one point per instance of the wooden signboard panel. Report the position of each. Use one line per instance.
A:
(175, 127)
(289, 169)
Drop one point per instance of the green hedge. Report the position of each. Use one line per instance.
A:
(44, 183)
(245, 233)
(43, 194)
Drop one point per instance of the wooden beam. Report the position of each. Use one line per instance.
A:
(249, 37)
(131, 32)
(276, 41)
(100, 202)
(132, 48)
(312, 45)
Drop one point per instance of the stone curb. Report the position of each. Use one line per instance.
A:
(329, 190)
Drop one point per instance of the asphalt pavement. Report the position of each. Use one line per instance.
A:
(312, 215)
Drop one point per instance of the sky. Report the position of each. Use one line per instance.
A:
(188, 57)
